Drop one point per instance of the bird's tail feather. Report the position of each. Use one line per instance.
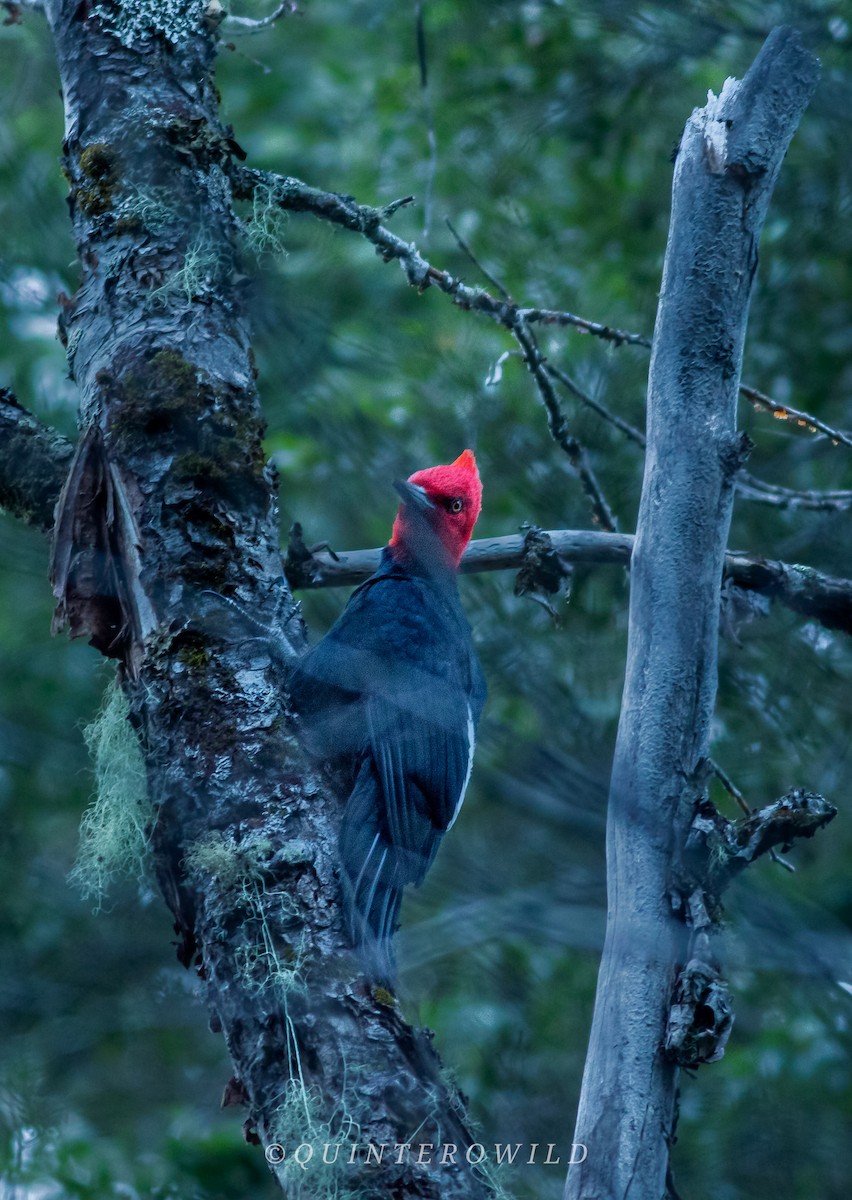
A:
(372, 887)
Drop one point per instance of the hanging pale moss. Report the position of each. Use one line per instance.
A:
(263, 963)
(264, 230)
(266, 963)
(230, 863)
(115, 828)
(315, 1161)
(152, 209)
(198, 276)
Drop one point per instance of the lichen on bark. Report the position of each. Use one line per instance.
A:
(169, 498)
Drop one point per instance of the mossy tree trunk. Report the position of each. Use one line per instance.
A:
(168, 497)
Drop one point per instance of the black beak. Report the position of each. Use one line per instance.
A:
(413, 495)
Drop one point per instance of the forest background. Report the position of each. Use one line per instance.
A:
(544, 132)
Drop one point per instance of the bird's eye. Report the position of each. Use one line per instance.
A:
(456, 506)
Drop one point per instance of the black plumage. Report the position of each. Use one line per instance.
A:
(393, 694)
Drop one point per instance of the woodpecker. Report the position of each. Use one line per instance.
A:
(393, 693)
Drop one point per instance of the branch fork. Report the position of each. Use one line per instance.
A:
(716, 851)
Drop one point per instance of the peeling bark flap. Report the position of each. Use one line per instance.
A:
(95, 553)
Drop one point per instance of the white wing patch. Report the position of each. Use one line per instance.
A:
(471, 746)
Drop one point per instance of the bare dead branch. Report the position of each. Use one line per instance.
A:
(719, 849)
(484, 554)
(296, 196)
(810, 593)
(550, 316)
(35, 460)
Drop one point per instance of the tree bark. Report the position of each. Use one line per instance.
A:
(725, 171)
(168, 497)
(34, 462)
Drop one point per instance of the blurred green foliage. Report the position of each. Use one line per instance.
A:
(554, 125)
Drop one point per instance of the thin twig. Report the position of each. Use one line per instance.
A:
(730, 787)
(559, 430)
(784, 412)
(556, 421)
(431, 137)
(239, 25)
(626, 428)
(749, 486)
(761, 492)
(465, 248)
(551, 316)
(296, 196)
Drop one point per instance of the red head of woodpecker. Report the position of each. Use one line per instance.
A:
(392, 695)
(448, 499)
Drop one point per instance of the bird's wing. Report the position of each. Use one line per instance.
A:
(409, 789)
(422, 745)
(370, 876)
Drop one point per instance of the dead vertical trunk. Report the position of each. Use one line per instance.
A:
(727, 165)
